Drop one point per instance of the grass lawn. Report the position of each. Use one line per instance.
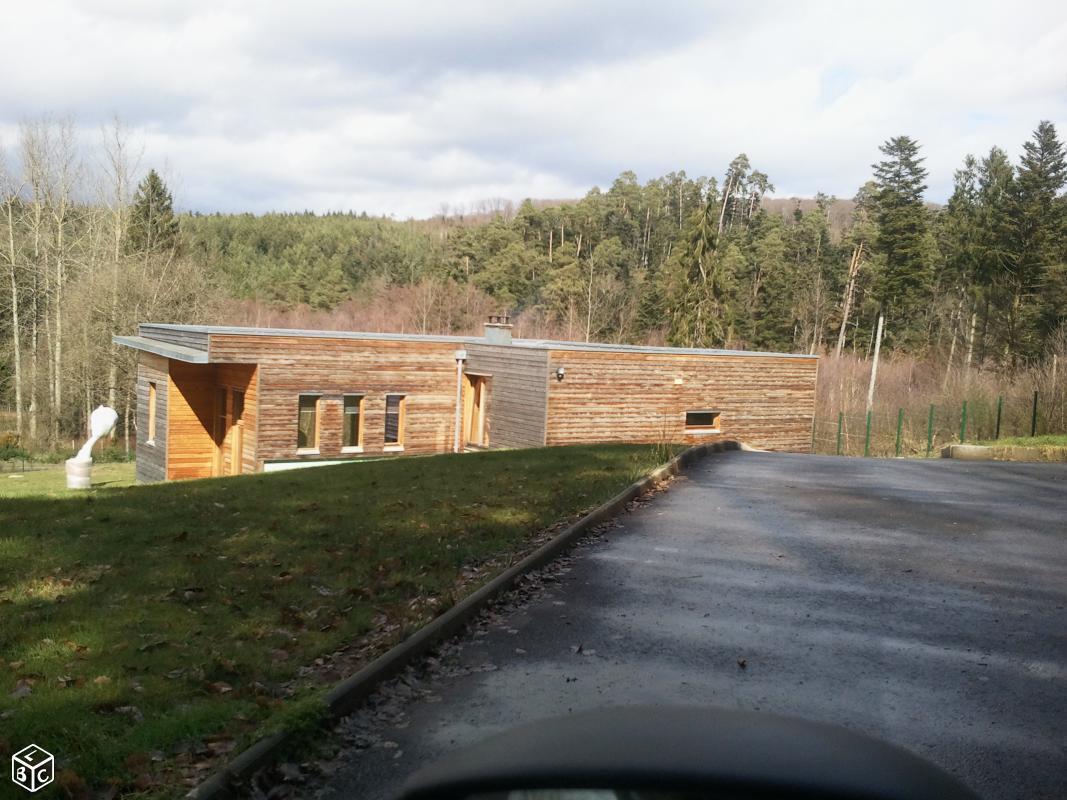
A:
(51, 481)
(1030, 441)
(147, 632)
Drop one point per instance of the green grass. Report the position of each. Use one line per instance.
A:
(1050, 440)
(51, 481)
(161, 627)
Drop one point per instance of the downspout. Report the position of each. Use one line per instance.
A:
(461, 356)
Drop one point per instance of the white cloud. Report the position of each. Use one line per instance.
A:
(405, 106)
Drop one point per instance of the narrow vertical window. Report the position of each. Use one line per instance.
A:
(394, 420)
(151, 413)
(238, 405)
(307, 428)
(353, 422)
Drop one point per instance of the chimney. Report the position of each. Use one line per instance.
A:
(498, 329)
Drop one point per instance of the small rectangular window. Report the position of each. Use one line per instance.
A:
(151, 413)
(701, 421)
(307, 428)
(238, 405)
(353, 422)
(394, 420)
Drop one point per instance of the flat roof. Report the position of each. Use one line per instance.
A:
(165, 349)
(533, 344)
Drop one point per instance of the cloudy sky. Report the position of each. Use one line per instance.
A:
(401, 107)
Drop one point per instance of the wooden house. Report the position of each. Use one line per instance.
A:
(222, 400)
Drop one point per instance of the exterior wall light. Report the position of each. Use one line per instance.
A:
(559, 373)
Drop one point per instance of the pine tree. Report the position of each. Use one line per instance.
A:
(902, 236)
(1038, 242)
(153, 226)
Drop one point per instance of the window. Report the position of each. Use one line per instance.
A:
(352, 435)
(151, 413)
(394, 421)
(701, 422)
(238, 405)
(307, 426)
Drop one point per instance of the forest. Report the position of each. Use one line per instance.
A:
(91, 244)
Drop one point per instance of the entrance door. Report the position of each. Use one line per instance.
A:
(475, 402)
(222, 429)
(229, 431)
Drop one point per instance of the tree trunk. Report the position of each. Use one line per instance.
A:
(846, 305)
(874, 365)
(952, 346)
(970, 340)
(725, 199)
(16, 338)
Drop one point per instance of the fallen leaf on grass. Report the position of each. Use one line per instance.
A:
(221, 746)
(219, 687)
(101, 680)
(72, 784)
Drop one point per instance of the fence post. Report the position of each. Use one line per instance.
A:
(867, 440)
(840, 427)
(1033, 417)
(963, 423)
(900, 429)
(930, 431)
(1000, 407)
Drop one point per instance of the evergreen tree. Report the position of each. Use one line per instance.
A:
(1039, 240)
(153, 226)
(902, 220)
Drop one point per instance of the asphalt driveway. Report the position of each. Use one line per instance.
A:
(922, 602)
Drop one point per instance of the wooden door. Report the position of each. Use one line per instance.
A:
(237, 427)
(475, 401)
(229, 431)
(222, 428)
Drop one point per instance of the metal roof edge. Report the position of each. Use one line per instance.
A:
(530, 344)
(232, 330)
(165, 349)
(599, 347)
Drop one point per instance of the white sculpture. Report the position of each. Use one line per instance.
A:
(101, 423)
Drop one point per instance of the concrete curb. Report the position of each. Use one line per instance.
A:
(974, 452)
(347, 695)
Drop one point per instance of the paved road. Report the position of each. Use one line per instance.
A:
(921, 602)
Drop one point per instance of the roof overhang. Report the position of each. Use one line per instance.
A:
(165, 349)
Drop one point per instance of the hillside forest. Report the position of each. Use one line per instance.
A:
(91, 244)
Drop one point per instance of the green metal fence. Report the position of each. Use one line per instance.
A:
(922, 431)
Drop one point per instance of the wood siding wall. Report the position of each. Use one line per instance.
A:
(642, 397)
(518, 393)
(191, 443)
(192, 395)
(425, 372)
(244, 378)
(151, 457)
(194, 339)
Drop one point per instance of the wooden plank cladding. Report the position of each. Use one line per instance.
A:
(173, 335)
(151, 453)
(424, 372)
(609, 396)
(204, 439)
(517, 394)
(247, 396)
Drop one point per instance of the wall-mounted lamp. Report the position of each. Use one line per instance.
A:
(560, 373)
